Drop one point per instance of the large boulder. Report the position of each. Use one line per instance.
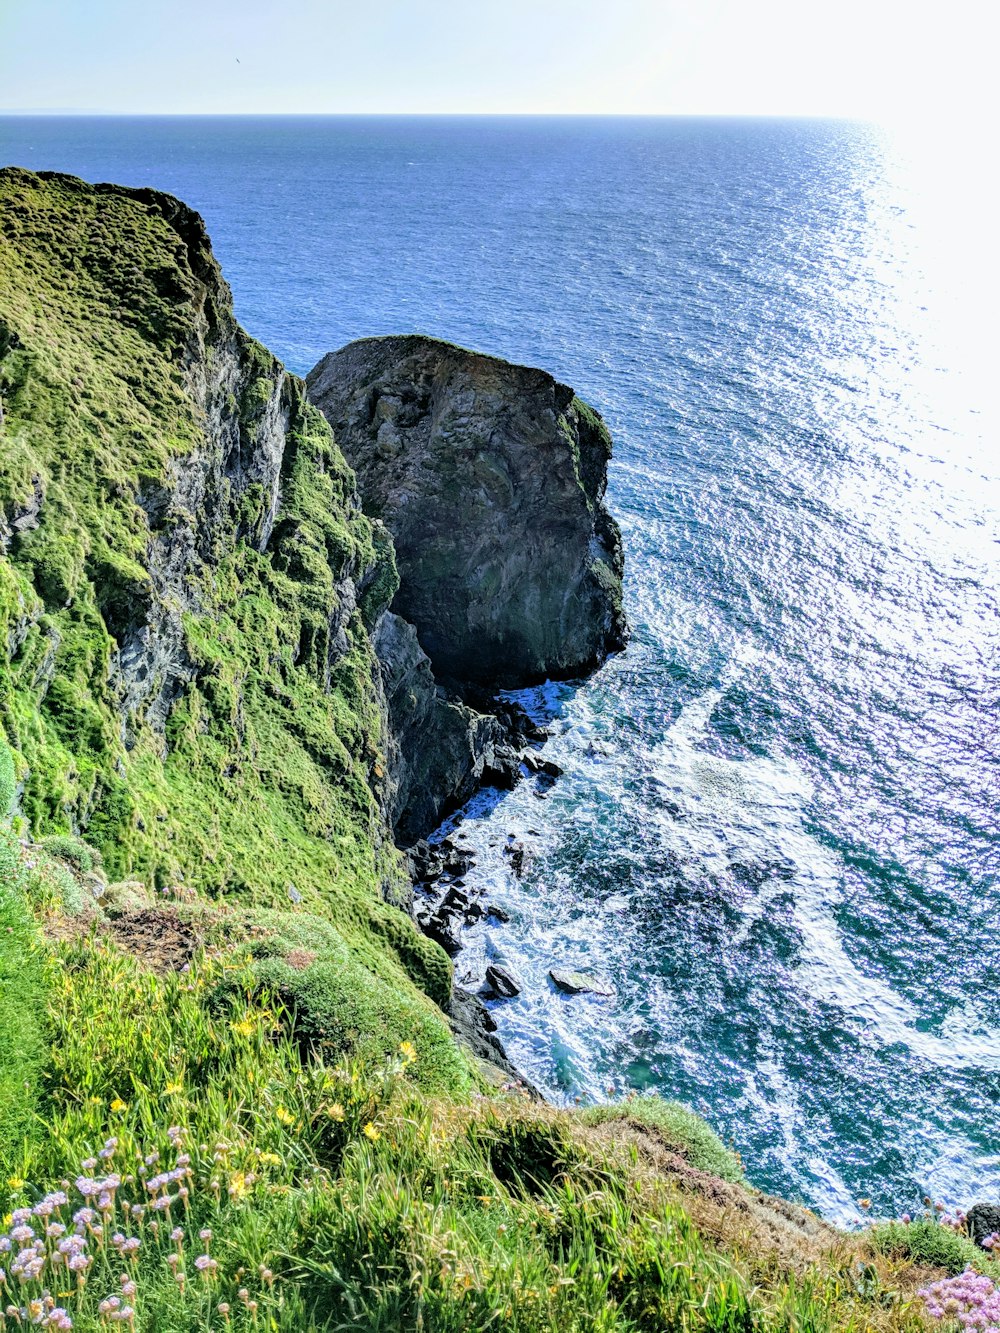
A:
(491, 479)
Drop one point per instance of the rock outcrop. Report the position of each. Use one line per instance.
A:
(440, 749)
(491, 479)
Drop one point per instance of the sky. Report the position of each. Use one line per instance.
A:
(871, 59)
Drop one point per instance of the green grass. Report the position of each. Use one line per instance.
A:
(341, 1195)
(926, 1241)
(22, 1006)
(679, 1127)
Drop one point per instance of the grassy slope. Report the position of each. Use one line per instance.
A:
(346, 1181)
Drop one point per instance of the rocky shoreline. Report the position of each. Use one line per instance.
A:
(490, 478)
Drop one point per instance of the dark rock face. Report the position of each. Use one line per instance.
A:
(502, 982)
(983, 1220)
(491, 479)
(440, 749)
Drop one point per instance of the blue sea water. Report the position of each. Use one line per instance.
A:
(777, 835)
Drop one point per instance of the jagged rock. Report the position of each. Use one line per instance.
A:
(982, 1220)
(497, 913)
(534, 764)
(510, 566)
(516, 851)
(577, 983)
(440, 750)
(502, 982)
(22, 516)
(474, 1027)
(443, 927)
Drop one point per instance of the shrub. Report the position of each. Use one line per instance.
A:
(680, 1127)
(928, 1242)
(85, 858)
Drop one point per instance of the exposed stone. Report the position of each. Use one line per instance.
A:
(577, 983)
(441, 750)
(473, 1026)
(501, 982)
(982, 1220)
(534, 764)
(493, 488)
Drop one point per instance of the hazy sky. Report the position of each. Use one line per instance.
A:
(868, 58)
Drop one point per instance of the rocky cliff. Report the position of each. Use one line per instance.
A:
(491, 479)
(187, 585)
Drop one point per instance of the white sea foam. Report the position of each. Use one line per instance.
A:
(756, 810)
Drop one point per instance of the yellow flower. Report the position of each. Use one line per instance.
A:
(285, 1116)
(245, 1027)
(172, 1088)
(408, 1051)
(117, 1106)
(335, 1111)
(16, 1183)
(370, 1132)
(270, 1159)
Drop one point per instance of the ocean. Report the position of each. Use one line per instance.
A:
(776, 838)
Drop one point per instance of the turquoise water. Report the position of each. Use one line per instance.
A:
(777, 835)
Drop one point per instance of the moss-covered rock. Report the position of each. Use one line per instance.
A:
(186, 584)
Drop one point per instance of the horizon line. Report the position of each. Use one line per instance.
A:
(71, 114)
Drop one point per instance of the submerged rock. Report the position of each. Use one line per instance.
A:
(491, 478)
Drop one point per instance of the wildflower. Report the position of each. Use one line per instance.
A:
(90, 1164)
(335, 1111)
(408, 1051)
(243, 1295)
(205, 1264)
(370, 1132)
(109, 1304)
(177, 1234)
(15, 1183)
(285, 1116)
(224, 1309)
(128, 1287)
(205, 1234)
(172, 1088)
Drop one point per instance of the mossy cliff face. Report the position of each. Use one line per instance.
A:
(491, 479)
(186, 580)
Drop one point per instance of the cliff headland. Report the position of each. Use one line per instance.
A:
(251, 635)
